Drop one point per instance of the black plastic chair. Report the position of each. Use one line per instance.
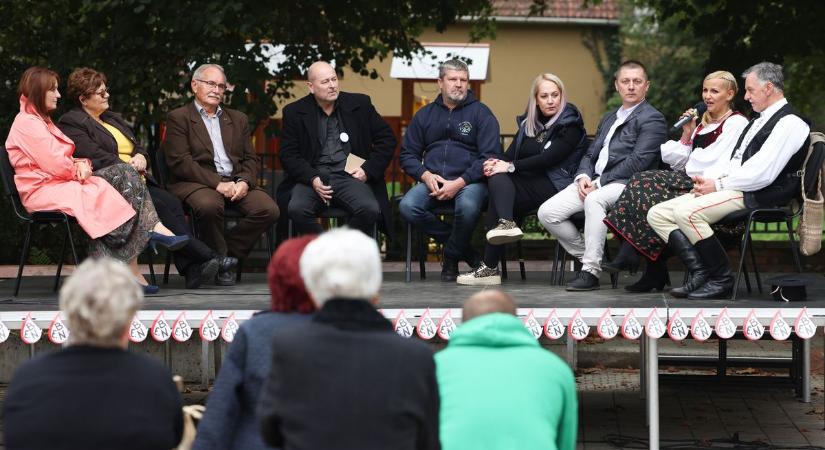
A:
(333, 214)
(560, 256)
(229, 214)
(35, 218)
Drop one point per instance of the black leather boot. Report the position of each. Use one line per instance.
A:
(654, 277)
(697, 272)
(627, 259)
(720, 281)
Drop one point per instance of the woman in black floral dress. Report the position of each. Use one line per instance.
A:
(698, 149)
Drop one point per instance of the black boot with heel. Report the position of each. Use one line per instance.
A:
(697, 272)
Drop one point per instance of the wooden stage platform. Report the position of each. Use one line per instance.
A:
(534, 292)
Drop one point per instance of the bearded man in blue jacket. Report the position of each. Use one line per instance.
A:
(444, 149)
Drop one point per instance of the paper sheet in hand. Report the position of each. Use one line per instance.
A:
(353, 162)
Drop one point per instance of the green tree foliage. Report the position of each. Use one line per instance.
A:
(739, 34)
(148, 47)
(674, 59)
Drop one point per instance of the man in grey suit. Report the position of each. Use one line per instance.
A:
(627, 141)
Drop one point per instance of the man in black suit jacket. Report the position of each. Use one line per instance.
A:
(320, 133)
(345, 379)
(627, 141)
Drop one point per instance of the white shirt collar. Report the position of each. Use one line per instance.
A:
(771, 110)
(203, 112)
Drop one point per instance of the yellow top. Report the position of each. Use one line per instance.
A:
(124, 145)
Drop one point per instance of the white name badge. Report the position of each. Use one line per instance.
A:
(578, 328)
(553, 326)
(446, 326)
(181, 330)
(344, 137)
(209, 330)
(58, 333)
(532, 325)
(426, 326)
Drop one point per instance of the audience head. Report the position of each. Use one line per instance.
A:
(87, 88)
(718, 90)
(342, 263)
(99, 301)
(284, 275)
(323, 82)
(631, 82)
(453, 81)
(764, 85)
(39, 86)
(209, 85)
(486, 302)
(547, 99)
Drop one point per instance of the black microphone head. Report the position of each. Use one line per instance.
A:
(700, 108)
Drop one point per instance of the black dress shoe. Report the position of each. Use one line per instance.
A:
(225, 278)
(653, 278)
(627, 259)
(226, 263)
(449, 270)
(197, 274)
(585, 281)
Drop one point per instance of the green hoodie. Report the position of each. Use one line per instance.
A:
(500, 390)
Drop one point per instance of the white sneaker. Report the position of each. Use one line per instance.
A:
(482, 276)
(505, 232)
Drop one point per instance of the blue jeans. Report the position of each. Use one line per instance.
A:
(416, 209)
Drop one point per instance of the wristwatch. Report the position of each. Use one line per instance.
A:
(239, 179)
(511, 168)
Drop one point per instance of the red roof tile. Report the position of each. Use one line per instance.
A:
(607, 9)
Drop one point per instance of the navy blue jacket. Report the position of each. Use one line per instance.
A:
(566, 142)
(451, 143)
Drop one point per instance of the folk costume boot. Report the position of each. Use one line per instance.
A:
(697, 273)
(655, 276)
(627, 259)
(720, 281)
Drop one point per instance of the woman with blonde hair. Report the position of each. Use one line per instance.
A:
(539, 162)
(704, 140)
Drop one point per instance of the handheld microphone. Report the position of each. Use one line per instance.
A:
(700, 108)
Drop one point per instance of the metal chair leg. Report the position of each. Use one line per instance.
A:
(23, 257)
(755, 267)
(60, 261)
(521, 261)
(408, 257)
(793, 245)
(742, 251)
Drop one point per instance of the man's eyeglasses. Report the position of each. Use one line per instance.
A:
(212, 84)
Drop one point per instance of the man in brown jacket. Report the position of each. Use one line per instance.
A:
(212, 166)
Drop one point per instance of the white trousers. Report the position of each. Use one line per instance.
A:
(693, 215)
(554, 215)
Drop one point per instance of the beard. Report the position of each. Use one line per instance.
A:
(457, 97)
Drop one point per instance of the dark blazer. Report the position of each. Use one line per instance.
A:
(92, 397)
(370, 138)
(190, 156)
(634, 146)
(345, 380)
(93, 141)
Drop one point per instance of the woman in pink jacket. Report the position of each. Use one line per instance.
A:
(112, 206)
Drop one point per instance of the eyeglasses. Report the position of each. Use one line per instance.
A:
(102, 92)
(212, 84)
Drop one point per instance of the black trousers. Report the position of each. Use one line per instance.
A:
(349, 194)
(170, 213)
(513, 195)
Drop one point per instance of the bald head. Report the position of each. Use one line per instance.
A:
(323, 83)
(486, 302)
